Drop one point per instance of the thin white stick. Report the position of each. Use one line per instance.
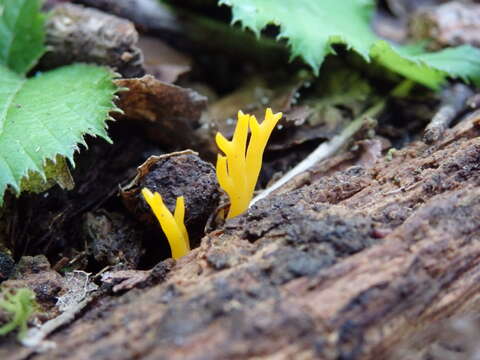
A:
(322, 152)
(35, 336)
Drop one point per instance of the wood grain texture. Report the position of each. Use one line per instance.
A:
(357, 265)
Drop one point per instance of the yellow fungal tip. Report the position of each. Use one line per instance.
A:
(172, 225)
(238, 170)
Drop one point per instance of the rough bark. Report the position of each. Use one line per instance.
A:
(347, 267)
(79, 34)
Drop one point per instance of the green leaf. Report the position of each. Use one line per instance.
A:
(21, 34)
(48, 115)
(20, 306)
(430, 69)
(312, 26)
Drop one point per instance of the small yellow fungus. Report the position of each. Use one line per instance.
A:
(239, 168)
(172, 225)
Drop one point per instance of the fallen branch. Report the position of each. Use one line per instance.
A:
(453, 102)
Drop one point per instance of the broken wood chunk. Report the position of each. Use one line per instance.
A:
(169, 114)
(79, 34)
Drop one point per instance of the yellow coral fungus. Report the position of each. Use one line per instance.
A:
(239, 168)
(172, 225)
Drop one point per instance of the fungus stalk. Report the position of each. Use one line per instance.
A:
(172, 225)
(239, 168)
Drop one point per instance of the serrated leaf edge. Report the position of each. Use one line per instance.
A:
(68, 154)
(316, 61)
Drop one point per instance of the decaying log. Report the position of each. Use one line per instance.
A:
(347, 267)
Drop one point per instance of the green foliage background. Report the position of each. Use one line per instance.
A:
(311, 27)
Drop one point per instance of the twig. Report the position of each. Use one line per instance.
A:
(35, 337)
(324, 151)
(70, 307)
(453, 102)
